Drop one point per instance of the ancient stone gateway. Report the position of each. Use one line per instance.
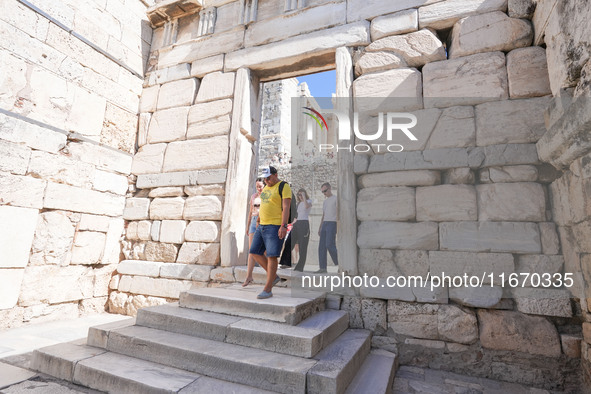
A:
(498, 181)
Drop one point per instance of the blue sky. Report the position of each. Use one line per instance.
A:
(321, 84)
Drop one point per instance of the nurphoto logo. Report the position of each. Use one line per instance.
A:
(396, 124)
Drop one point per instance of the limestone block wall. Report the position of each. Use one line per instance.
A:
(68, 119)
(566, 143)
(470, 196)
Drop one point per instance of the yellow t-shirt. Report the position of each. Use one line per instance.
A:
(270, 211)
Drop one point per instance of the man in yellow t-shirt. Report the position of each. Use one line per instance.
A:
(272, 229)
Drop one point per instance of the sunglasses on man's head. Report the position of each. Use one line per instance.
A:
(257, 205)
(324, 190)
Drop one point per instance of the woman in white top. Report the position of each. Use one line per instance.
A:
(251, 226)
(301, 228)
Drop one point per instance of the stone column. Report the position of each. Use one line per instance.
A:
(234, 242)
(248, 11)
(347, 188)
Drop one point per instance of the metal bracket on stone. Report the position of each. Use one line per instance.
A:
(167, 10)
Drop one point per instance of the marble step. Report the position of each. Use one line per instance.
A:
(117, 373)
(376, 375)
(339, 362)
(331, 370)
(236, 300)
(220, 360)
(304, 340)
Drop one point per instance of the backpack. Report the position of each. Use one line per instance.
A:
(293, 208)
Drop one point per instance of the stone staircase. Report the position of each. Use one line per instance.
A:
(224, 340)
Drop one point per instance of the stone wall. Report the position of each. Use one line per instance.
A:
(566, 144)
(68, 121)
(471, 195)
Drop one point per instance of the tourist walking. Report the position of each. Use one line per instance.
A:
(272, 228)
(251, 225)
(301, 228)
(328, 229)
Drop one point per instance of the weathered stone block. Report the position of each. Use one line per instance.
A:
(205, 190)
(571, 345)
(173, 231)
(377, 262)
(71, 198)
(527, 71)
(186, 271)
(148, 159)
(61, 169)
(476, 297)
(155, 230)
(542, 301)
(197, 154)
(215, 86)
(203, 208)
(392, 24)
(511, 122)
(468, 80)
(158, 287)
(172, 191)
(374, 315)
(494, 31)
(222, 274)
(521, 8)
(10, 286)
(112, 243)
(210, 128)
(33, 136)
(108, 182)
(446, 202)
(490, 236)
(539, 264)
(142, 129)
(53, 239)
(184, 178)
(400, 178)
(136, 208)
(88, 247)
(513, 331)
(357, 9)
(416, 49)
(509, 174)
(199, 253)
(210, 110)
(21, 191)
(14, 158)
(203, 231)
(302, 21)
(144, 229)
(497, 202)
(156, 251)
(56, 284)
(412, 262)
(295, 49)
(510, 154)
(201, 67)
(458, 176)
(93, 223)
(460, 263)
(386, 203)
(549, 237)
(414, 320)
(456, 324)
(444, 14)
(455, 129)
(402, 83)
(174, 73)
(168, 125)
(371, 62)
(392, 235)
(101, 156)
(167, 208)
(149, 99)
(177, 94)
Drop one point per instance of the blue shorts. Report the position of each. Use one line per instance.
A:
(266, 238)
(253, 225)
